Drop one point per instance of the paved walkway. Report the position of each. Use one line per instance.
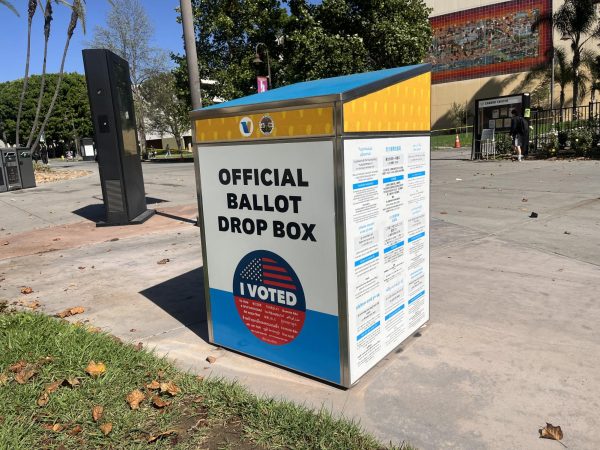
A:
(513, 338)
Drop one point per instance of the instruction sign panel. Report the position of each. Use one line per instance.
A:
(387, 235)
(269, 227)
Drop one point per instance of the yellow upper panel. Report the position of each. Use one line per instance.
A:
(404, 106)
(291, 123)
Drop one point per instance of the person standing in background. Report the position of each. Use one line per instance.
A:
(518, 132)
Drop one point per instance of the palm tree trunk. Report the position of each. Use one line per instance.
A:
(47, 20)
(56, 91)
(25, 82)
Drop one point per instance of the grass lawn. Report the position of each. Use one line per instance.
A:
(189, 156)
(47, 399)
(447, 140)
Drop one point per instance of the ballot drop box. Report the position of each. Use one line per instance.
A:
(314, 214)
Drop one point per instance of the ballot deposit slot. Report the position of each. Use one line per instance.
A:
(315, 220)
(113, 116)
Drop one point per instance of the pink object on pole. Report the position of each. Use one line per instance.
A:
(262, 84)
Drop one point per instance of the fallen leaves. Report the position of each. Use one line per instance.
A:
(153, 385)
(75, 430)
(26, 290)
(97, 412)
(52, 176)
(163, 261)
(159, 402)
(106, 428)
(3, 379)
(134, 398)
(70, 312)
(551, 432)
(211, 359)
(49, 389)
(94, 369)
(170, 388)
(27, 372)
(153, 438)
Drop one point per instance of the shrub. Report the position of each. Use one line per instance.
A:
(503, 144)
(563, 137)
(581, 141)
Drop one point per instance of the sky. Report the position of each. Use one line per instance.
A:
(13, 39)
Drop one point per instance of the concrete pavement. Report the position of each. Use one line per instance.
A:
(512, 343)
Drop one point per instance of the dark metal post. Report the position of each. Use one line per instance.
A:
(187, 20)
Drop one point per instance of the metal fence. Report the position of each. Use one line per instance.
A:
(551, 125)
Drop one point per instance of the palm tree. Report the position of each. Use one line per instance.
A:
(32, 6)
(47, 21)
(577, 22)
(77, 15)
(592, 62)
(9, 6)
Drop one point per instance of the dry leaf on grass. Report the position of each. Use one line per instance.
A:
(106, 428)
(551, 432)
(139, 346)
(26, 290)
(152, 438)
(18, 366)
(134, 398)
(71, 382)
(57, 427)
(198, 399)
(75, 430)
(159, 402)
(160, 374)
(153, 385)
(70, 312)
(3, 379)
(95, 369)
(97, 412)
(170, 388)
(49, 389)
(25, 374)
(163, 261)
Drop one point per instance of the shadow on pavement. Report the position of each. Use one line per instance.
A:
(182, 297)
(96, 212)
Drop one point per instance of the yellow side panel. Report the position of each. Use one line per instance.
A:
(291, 123)
(401, 107)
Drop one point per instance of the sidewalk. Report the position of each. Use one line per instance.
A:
(513, 329)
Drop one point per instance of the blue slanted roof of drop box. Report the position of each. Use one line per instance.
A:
(325, 87)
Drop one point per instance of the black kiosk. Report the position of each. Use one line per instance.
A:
(113, 115)
(495, 114)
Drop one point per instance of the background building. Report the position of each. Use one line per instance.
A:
(484, 49)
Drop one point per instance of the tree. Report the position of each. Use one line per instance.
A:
(9, 6)
(47, 23)
(336, 37)
(165, 111)
(577, 21)
(128, 33)
(77, 15)
(71, 109)
(31, 9)
(539, 78)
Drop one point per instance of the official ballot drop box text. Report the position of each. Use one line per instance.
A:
(315, 220)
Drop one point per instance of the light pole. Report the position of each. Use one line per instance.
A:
(187, 21)
(257, 60)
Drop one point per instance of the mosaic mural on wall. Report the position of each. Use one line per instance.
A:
(490, 40)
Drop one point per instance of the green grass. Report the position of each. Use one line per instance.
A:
(224, 414)
(173, 156)
(447, 140)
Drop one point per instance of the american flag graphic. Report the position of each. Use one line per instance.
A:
(268, 272)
